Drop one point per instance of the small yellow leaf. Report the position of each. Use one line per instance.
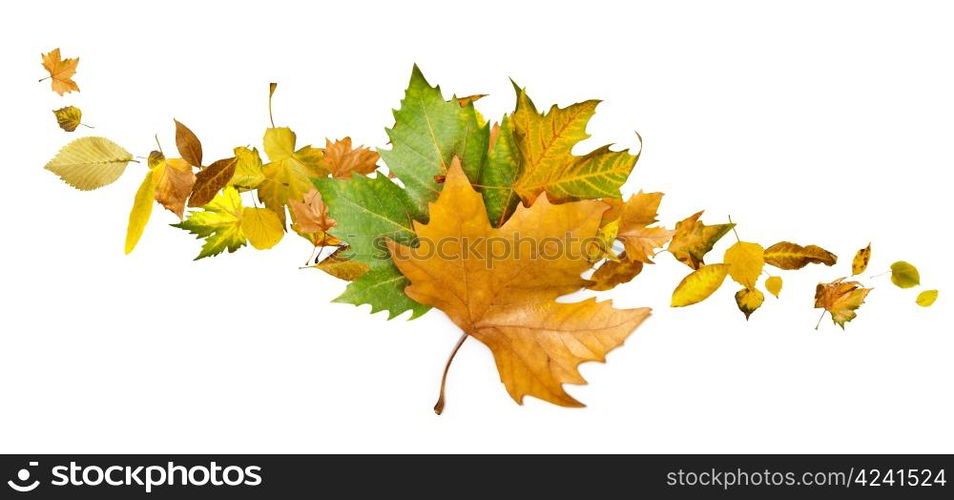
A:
(340, 266)
(774, 285)
(748, 300)
(699, 285)
(68, 118)
(926, 298)
(787, 255)
(904, 274)
(860, 262)
(262, 227)
(745, 262)
(61, 72)
(248, 169)
(141, 211)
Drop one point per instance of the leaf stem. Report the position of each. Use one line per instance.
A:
(734, 231)
(270, 94)
(159, 145)
(820, 318)
(87, 126)
(439, 407)
(44, 78)
(879, 275)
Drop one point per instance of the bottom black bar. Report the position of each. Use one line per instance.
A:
(506, 476)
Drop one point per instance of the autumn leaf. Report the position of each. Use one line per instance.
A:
(860, 262)
(612, 273)
(210, 180)
(545, 142)
(90, 162)
(190, 149)
(904, 275)
(288, 173)
(341, 160)
(748, 300)
(927, 298)
(174, 181)
(785, 255)
(498, 177)
(636, 215)
(366, 211)
(262, 227)
(470, 99)
(248, 169)
(840, 298)
(68, 118)
(311, 219)
(341, 266)
(692, 240)
(511, 305)
(428, 133)
(774, 285)
(699, 285)
(141, 211)
(745, 262)
(61, 72)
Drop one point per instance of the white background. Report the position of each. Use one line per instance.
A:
(826, 123)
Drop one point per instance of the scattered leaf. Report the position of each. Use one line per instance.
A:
(470, 99)
(90, 162)
(190, 149)
(748, 300)
(545, 142)
(262, 227)
(745, 262)
(904, 275)
(636, 214)
(860, 262)
(68, 118)
(699, 285)
(210, 180)
(500, 174)
(341, 160)
(61, 72)
(785, 255)
(841, 299)
(248, 169)
(311, 219)
(339, 265)
(692, 240)
(288, 173)
(612, 273)
(774, 285)
(219, 222)
(141, 211)
(927, 298)
(174, 181)
(511, 306)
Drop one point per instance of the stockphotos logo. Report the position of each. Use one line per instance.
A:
(22, 483)
(147, 477)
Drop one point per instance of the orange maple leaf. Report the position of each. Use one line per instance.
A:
(61, 72)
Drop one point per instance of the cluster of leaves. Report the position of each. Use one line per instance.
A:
(455, 177)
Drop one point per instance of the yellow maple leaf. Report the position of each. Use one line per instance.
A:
(636, 215)
(288, 173)
(840, 298)
(509, 304)
(61, 72)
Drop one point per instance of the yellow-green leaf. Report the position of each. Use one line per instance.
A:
(860, 262)
(248, 169)
(745, 262)
(926, 298)
(90, 162)
(262, 227)
(904, 274)
(141, 211)
(748, 300)
(774, 285)
(699, 285)
(289, 172)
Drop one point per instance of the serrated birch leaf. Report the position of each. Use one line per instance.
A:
(90, 162)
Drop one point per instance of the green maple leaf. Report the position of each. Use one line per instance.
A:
(369, 210)
(499, 174)
(428, 132)
(545, 142)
